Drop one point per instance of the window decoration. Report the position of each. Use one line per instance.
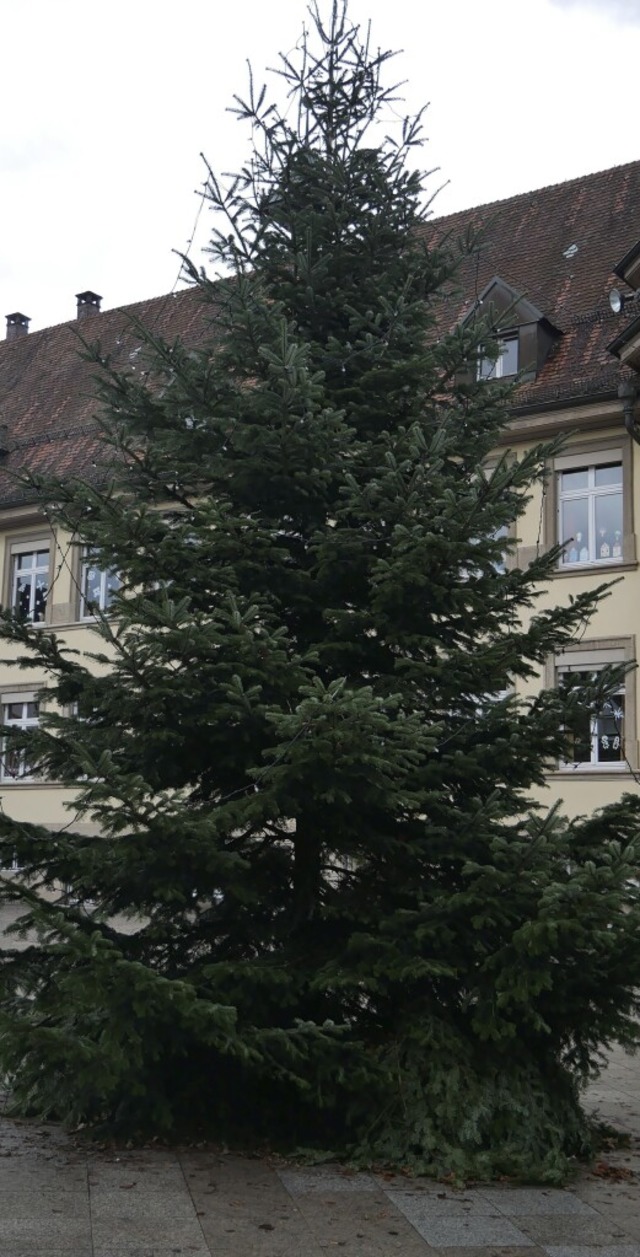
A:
(599, 738)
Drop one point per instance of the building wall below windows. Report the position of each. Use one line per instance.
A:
(582, 796)
(38, 803)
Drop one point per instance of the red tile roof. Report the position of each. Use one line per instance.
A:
(46, 388)
(528, 241)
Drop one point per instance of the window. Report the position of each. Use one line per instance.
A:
(602, 739)
(500, 564)
(522, 336)
(505, 363)
(588, 506)
(21, 712)
(599, 740)
(501, 534)
(590, 513)
(13, 864)
(98, 586)
(487, 703)
(30, 582)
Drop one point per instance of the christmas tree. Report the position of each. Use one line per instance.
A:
(323, 907)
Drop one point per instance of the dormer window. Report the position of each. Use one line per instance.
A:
(506, 362)
(521, 336)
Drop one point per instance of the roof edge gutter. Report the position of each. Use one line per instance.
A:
(563, 403)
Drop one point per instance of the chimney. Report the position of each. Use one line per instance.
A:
(17, 325)
(88, 304)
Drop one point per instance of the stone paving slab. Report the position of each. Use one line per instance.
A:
(365, 1224)
(249, 1236)
(504, 1251)
(443, 1204)
(165, 1180)
(569, 1228)
(136, 1251)
(53, 1252)
(229, 1176)
(27, 1235)
(322, 1180)
(628, 1222)
(479, 1231)
(20, 1175)
(605, 1251)
(138, 1221)
(542, 1200)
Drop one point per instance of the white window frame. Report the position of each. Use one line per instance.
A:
(89, 607)
(18, 551)
(593, 656)
(565, 465)
(25, 721)
(494, 369)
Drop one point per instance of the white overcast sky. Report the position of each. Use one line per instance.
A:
(106, 105)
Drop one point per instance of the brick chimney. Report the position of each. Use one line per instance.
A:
(17, 325)
(88, 304)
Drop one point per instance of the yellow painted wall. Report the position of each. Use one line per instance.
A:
(41, 802)
(584, 790)
(581, 791)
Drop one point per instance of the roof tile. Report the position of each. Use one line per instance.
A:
(47, 396)
(527, 241)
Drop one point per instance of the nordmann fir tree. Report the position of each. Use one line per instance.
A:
(322, 908)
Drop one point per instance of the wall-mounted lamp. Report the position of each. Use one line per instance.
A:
(618, 300)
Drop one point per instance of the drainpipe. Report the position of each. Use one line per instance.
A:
(628, 393)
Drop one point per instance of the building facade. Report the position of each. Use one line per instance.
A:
(544, 265)
(557, 270)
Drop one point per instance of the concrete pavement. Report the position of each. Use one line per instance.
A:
(57, 1200)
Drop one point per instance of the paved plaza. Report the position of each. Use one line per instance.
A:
(57, 1200)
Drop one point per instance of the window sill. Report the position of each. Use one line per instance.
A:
(599, 772)
(525, 555)
(591, 569)
(75, 625)
(36, 624)
(33, 785)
